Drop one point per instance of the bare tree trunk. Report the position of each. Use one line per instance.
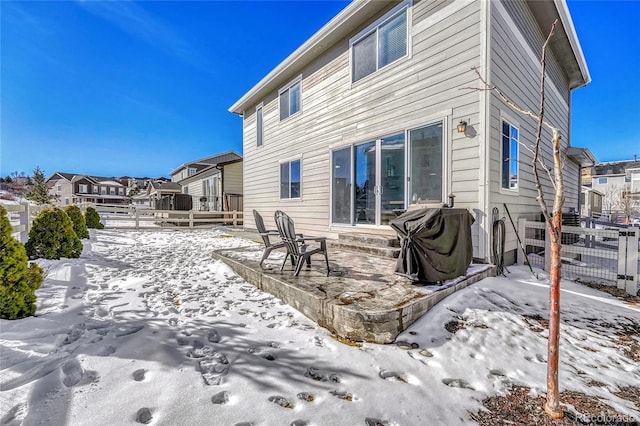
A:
(554, 224)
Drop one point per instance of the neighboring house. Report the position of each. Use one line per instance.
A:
(69, 188)
(214, 183)
(361, 122)
(617, 181)
(591, 202)
(158, 189)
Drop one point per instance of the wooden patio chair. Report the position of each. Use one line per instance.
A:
(265, 234)
(297, 247)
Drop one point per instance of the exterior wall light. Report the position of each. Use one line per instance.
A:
(462, 126)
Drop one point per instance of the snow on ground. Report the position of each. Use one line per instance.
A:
(145, 327)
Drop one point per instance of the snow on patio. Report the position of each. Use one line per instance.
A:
(145, 327)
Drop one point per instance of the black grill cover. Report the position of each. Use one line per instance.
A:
(436, 244)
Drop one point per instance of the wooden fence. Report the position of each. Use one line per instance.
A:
(130, 217)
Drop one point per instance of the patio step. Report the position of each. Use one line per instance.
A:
(378, 245)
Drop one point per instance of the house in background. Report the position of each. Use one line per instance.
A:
(69, 188)
(214, 183)
(591, 203)
(373, 115)
(617, 181)
(160, 189)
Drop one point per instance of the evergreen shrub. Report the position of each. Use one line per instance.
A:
(18, 280)
(79, 223)
(92, 218)
(52, 236)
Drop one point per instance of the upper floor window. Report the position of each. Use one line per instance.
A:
(112, 190)
(121, 191)
(95, 189)
(289, 100)
(192, 171)
(103, 189)
(602, 181)
(290, 179)
(259, 129)
(84, 188)
(59, 188)
(509, 156)
(381, 44)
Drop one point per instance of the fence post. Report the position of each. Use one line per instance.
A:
(235, 218)
(628, 260)
(190, 219)
(137, 218)
(547, 249)
(25, 219)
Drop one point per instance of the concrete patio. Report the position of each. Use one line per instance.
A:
(362, 299)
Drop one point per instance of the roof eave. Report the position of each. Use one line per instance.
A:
(572, 36)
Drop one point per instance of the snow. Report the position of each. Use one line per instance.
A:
(146, 327)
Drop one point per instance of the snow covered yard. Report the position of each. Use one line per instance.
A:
(146, 328)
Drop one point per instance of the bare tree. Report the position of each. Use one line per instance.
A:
(629, 206)
(553, 217)
(611, 198)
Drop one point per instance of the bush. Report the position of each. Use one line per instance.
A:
(92, 218)
(18, 280)
(79, 223)
(52, 236)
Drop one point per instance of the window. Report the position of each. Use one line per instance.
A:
(112, 190)
(290, 179)
(95, 189)
(84, 188)
(103, 189)
(59, 188)
(289, 100)
(509, 156)
(259, 130)
(602, 181)
(121, 191)
(380, 46)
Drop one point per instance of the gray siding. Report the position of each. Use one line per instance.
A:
(516, 71)
(336, 113)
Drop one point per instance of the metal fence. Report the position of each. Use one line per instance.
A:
(602, 252)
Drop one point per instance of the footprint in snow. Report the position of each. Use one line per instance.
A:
(281, 401)
(220, 398)
(391, 376)
(342, 395)
(299, 423)
(457, 383)
(72, 373)
(306, 396)
(138, 375)
(538, 359)
(370, 421)
(15, 415)
(144, 416)
(213, 368)
(319, 376)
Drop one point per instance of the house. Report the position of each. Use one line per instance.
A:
(214, 183)
(591, 203)
(160, 188)
(69, 188)
(375, 114)
(619, 182)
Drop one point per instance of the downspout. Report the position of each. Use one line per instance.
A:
(484, 242)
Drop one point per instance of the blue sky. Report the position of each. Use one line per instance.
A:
(138, 88)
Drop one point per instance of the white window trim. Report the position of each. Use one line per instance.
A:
(368, 30)
(288, 86)
(289, 160)
(514, 123)
(260, 108)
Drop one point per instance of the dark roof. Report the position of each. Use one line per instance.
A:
(615, 167)
(224, 158)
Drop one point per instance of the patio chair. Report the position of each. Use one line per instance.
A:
(297, 247)
(265, 234)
